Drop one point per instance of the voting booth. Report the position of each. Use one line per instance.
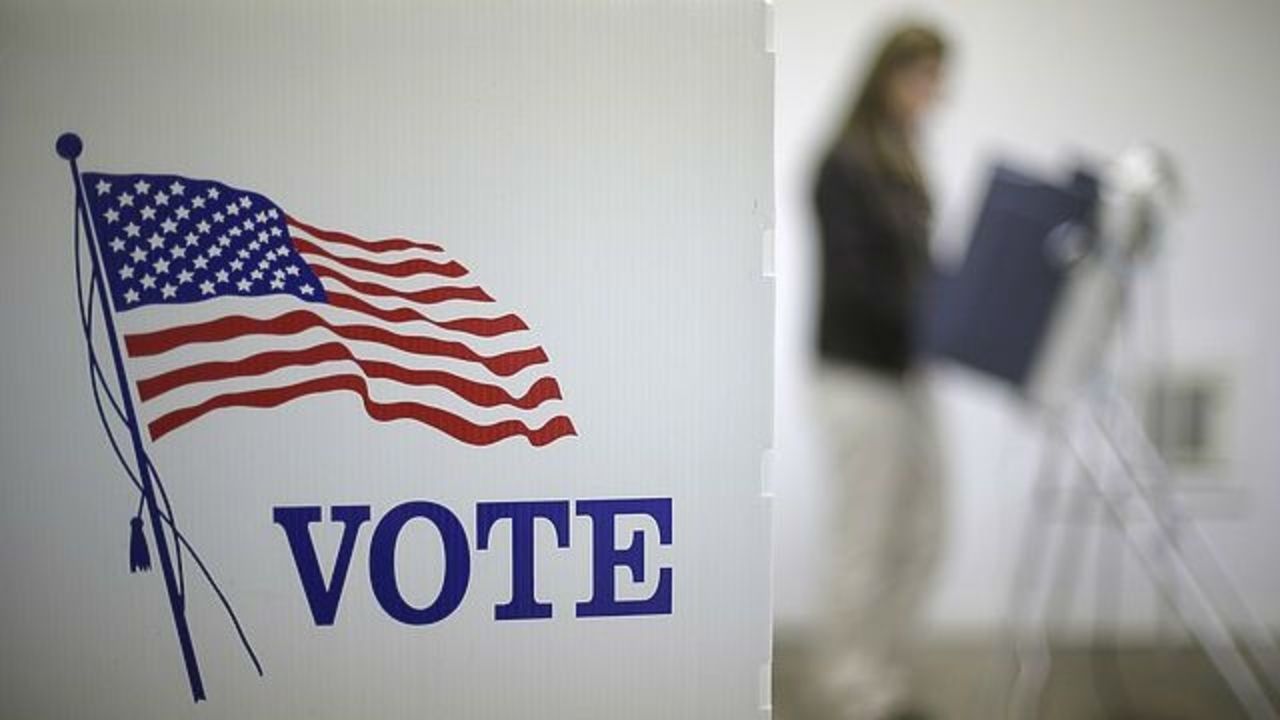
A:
(385, 360)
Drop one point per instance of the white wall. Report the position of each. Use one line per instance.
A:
(1043, 82)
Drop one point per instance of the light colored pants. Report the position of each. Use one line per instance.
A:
(883, 532)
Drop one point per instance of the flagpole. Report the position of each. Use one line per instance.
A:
(69, 147)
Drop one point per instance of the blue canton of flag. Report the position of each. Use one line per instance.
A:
(167, 239)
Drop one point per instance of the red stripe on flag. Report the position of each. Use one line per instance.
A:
(429, 296)
(384, 245)
(476, 393)
(404, 268)
(483, 327)
(291, 323)
(453, 425)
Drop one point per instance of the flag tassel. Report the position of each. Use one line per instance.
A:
(139, 555)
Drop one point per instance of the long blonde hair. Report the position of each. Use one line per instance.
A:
(871, 122)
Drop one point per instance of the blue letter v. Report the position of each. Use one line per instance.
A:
(296, 522)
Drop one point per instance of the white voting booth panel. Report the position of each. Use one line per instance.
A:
(435, 342)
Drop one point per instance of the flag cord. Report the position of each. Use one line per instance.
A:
(99, 386)
(139, 557)
(86, 324)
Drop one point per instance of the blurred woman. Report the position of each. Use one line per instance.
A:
(886, 516)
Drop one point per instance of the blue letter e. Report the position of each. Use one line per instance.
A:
(606, 556)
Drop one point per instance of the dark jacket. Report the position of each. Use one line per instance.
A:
(874, 257)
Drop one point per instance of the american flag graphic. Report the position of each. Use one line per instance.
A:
(223, 300)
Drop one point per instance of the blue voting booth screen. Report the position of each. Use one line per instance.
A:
(992, 314)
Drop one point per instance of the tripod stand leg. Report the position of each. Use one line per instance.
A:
(1259, 639)
(1030, 645)
(1059, 564)
(1065, 572)
(1210, 631)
